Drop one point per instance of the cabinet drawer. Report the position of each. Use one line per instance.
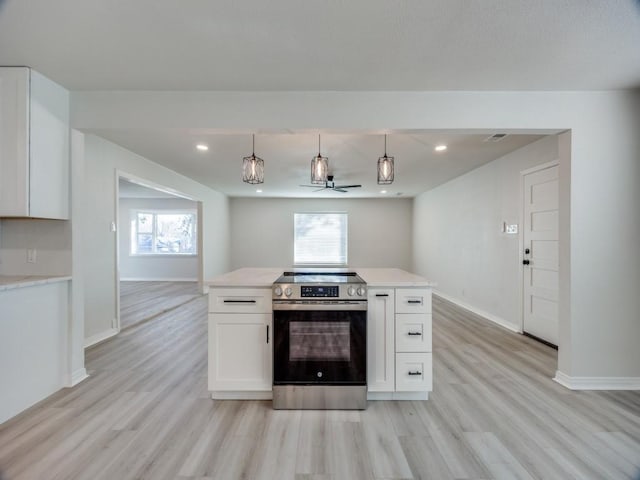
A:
(413, 332)
(413, 300)
(240, 300)
(413, 372)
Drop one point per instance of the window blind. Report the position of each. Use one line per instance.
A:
(320, 238)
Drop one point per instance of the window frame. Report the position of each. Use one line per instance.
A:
(134, 233)
(345, 236)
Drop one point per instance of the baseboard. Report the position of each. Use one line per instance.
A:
(597, 383)
(489, 316)
(397, 396)
(158, 279)
(77, 376)
(242, 395)
(100, 337)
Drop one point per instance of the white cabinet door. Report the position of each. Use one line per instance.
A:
(413, 300)
(34, 145)
(240, 355)
(413, 332)
(413, 372)
(380, 341)
(14, 141)
(240, 300)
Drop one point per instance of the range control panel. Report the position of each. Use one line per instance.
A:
(315, 291)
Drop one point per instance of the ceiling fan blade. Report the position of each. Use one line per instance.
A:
(322, 189)
(347, 186)
(310, 186)
(338, 189)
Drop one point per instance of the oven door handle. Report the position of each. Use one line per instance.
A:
(320, 306)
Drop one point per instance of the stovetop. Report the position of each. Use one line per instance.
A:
(319, 277)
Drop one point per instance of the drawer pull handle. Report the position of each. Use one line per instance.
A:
(239, 301)
(382, 294)
(414, 333)
(415, 373)
(414, 301)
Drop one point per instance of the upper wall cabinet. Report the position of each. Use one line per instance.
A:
(34, 145)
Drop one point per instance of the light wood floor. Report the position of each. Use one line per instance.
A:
(495, 413)
(142, 301)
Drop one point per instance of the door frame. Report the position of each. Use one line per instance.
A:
(523, 174)
(120, 174)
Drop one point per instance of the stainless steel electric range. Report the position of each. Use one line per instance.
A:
(320, 341)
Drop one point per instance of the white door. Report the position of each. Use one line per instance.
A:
(380, 341)
(540, 257)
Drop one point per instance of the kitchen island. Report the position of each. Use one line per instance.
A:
(399, 364)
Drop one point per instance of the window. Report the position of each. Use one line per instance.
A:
(163, 233)
(320, 238)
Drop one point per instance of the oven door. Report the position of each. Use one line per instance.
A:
(327, 347)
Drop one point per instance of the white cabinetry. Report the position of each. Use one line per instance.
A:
(399, 343)
(380, 340)
(240, 351)
(34, 145)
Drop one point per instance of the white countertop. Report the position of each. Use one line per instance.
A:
(8, 282)
(264, 277)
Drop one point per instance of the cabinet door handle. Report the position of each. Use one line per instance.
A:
(414, 333)
(239, 301)
(415, 373)
(382, 294)
(267, 333)
(414, 301)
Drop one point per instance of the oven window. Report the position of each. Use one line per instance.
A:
(319, 341)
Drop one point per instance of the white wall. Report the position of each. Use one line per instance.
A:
(102, 159)
(458, 238)
(599, 303)
(153, 267)
(50, 238)
(379, 230)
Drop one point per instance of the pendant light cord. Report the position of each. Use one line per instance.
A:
(253, 145)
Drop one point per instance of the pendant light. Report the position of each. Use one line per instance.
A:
(319, 168)
(385, 167)
(253, 167)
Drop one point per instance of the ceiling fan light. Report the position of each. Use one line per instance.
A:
(252, 168)
(385, 170)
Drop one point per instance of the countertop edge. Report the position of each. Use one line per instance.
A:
(23, 281)
(245, 278)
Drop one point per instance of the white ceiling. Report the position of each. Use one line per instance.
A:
(326, 44)
(354, 45)
(287, 157)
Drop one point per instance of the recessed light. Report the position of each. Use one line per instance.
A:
(203, 147)
(383, 191)
(258, 191)
(440, 148)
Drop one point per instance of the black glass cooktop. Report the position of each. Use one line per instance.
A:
(319, 277)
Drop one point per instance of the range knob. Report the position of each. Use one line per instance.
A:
(277, 291)
(351, 291)
(288, 291)
(361, 291)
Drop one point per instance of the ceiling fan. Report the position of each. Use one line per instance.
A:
(331, 185)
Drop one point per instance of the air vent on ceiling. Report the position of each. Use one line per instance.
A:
(496, 137)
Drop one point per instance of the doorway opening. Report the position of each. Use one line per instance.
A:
(158, 250)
